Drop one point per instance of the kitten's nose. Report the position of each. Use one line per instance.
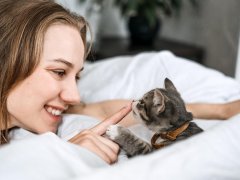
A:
(139, 106)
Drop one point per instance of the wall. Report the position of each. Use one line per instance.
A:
(83, 9)
(237, 72)
(215, 26)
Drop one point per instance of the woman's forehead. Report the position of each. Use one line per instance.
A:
(63, 42)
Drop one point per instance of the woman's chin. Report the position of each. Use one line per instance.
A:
(45, 130)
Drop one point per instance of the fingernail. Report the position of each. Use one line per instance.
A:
(128, 105)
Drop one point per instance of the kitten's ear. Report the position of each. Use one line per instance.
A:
(169, 85)
(158, 101)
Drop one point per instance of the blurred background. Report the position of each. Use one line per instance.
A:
(204, 31)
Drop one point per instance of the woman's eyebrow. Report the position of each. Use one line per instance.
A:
(67, 63)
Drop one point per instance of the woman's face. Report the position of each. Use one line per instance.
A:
(37, 103)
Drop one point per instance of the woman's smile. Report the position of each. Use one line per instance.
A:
(54, 112)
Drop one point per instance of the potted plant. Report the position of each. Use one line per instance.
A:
(144, 16)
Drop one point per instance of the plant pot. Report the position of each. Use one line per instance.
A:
(141, 32)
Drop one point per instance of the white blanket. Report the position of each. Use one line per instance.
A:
(212, 154)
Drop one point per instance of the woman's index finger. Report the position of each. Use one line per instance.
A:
(101, 128)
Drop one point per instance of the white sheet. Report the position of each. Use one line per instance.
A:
(210, 155)
(213, 154)
(46, 157)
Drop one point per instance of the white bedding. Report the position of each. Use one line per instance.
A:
(130, 77)
(213, 154)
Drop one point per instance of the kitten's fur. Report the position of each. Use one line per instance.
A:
(161, 110)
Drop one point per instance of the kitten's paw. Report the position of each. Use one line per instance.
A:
(113, 131)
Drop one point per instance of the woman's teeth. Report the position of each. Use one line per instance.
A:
(55, 112)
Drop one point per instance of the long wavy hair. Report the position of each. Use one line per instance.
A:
(23, 24)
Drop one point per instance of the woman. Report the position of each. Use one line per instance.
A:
(42, 51)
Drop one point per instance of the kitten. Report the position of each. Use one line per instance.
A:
(162, 111)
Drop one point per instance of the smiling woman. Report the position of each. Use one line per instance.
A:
(47, 104)
(42, 51)
(42, 44)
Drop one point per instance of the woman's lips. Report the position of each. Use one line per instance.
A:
(54, 113)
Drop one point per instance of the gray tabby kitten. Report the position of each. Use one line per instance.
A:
(162, 111)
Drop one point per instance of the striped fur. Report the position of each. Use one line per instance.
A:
(160, 110)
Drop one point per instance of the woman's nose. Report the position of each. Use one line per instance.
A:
(70, 94)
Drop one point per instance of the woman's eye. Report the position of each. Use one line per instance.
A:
(59, 73)
(77, 77)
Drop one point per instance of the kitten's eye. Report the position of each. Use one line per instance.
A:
(157, 105)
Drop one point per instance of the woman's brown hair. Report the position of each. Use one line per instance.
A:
(23, 24)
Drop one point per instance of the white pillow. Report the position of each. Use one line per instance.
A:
(131, 76)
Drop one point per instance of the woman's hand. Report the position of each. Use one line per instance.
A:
(92, 140)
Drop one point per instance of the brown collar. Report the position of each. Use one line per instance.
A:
(171, 135)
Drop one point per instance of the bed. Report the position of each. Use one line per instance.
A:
(213, 154)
